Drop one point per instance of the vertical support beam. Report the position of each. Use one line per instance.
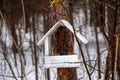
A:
(46, 47)
(52, 71)
(76, 47)
(76, 50)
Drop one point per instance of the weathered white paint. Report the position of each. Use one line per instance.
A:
(81, 38)
(61, 59)
(47, 45)
(76, 47)
(67, 25)
(54, 62)
(53, 71)
(62, 65)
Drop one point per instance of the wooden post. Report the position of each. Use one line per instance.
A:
(63, 42)
(52, 71)
(47, 49)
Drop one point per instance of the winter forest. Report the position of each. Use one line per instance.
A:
(59, 39)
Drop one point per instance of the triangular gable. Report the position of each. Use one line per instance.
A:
(68, 26)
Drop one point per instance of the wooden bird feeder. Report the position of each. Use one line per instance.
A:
(57, 61)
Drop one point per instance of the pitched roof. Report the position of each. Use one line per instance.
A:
(68, 26)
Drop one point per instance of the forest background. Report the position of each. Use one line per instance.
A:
(24, 22)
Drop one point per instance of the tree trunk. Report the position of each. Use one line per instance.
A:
(63, 39)
(112, 25)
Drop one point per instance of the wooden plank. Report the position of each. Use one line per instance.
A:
(76, 47)
(53, 73)
(62, 65)
(47, 45)
(81, 37)
(47, 49)
(61, 59)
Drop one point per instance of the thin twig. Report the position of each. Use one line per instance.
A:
(24, 20)
(116, 56)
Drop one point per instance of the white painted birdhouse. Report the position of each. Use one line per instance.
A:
(64, 60)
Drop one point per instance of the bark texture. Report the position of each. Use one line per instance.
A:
(63, 40)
